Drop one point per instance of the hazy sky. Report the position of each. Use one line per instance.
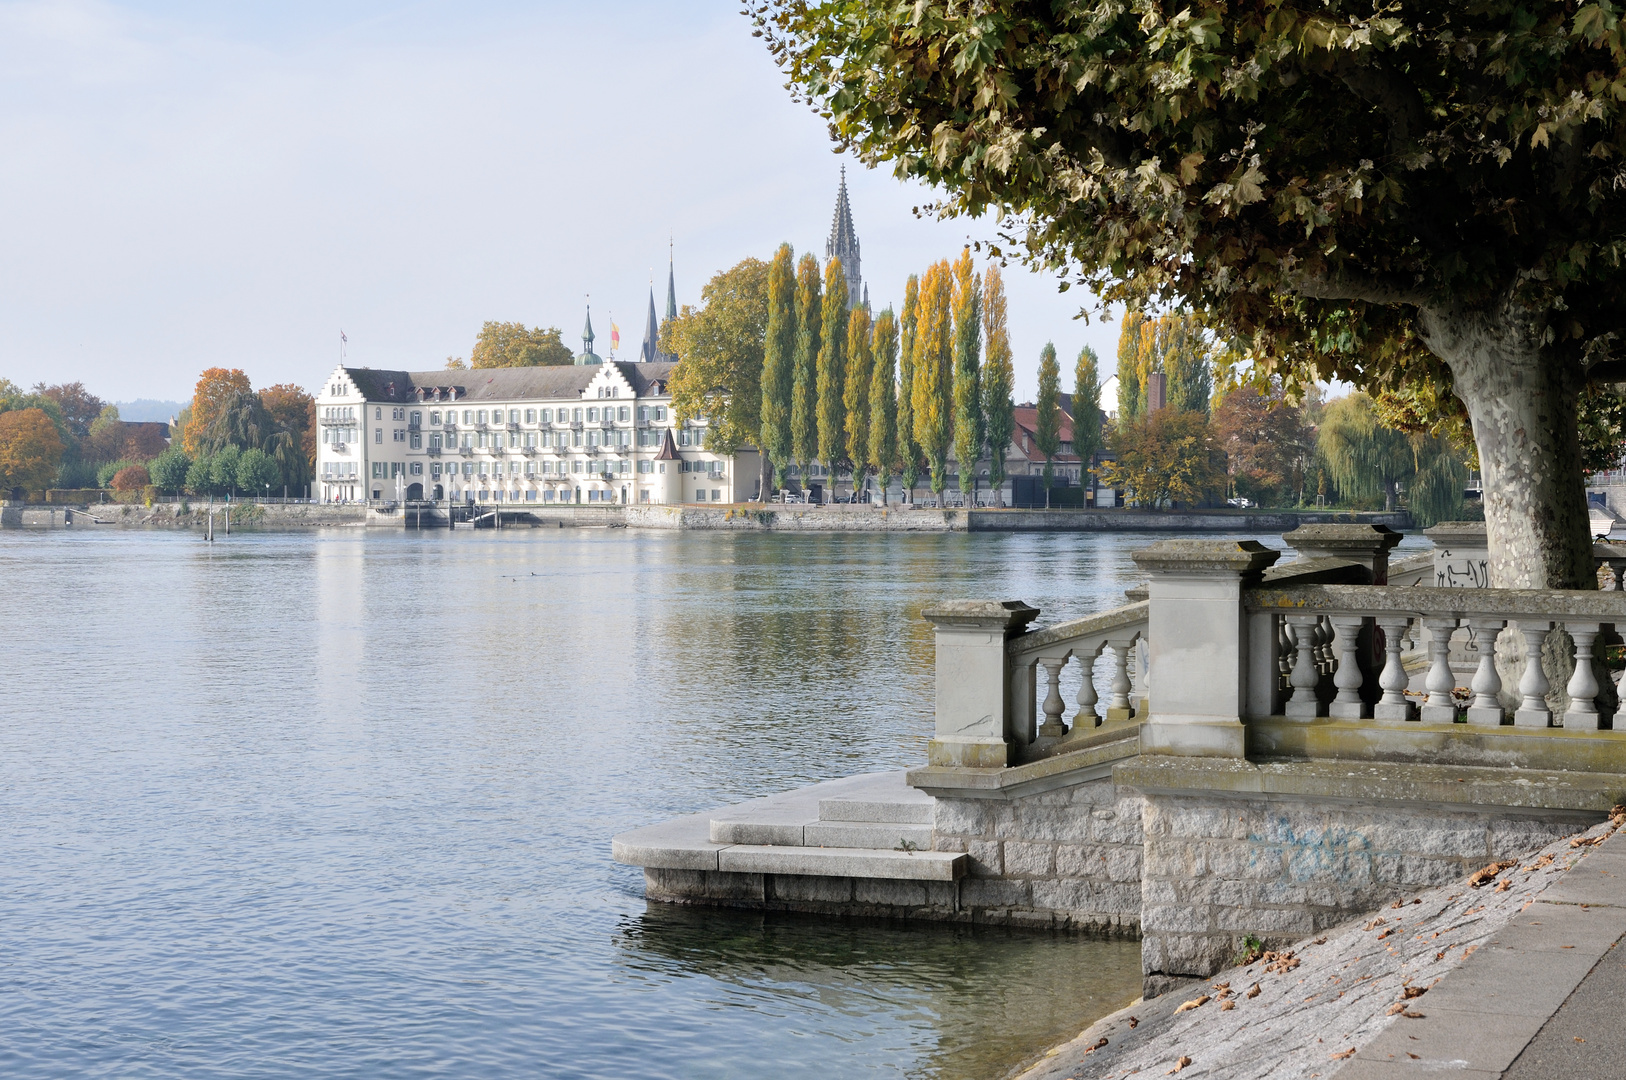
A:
(196, 184)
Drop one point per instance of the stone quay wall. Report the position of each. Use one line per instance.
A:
(1220, 868)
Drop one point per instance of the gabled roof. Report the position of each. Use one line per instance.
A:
(506, 384)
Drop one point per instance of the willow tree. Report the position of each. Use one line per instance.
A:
(1370, 460)
(884, 401)
(778, 364)
(1047, 415)
(931, 397)
(804, 404)
(998, 381)
(1414, 192)
(855, 395)
(908, 452)
(969, 428)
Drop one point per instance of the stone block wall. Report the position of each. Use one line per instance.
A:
(1064, 859)
(1219, 868)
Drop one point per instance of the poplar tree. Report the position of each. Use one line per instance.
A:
(1087, 406)
(832, 373)
(998, 382)
(908, 452)
(778, 363)
(1047, 425)
(1183, 348)
(1131, 388)
(883, 399)
(932, 394)
(804, 433)
(968, 420)
(855, 397)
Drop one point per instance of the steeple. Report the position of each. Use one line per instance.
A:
(588, 356)
(650, 350)
(843, 243)
(671, 285)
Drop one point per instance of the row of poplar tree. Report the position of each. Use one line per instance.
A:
(886, 395)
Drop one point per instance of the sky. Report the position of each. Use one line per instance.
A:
(188, 185)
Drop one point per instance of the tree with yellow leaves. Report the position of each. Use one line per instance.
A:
(932, 395)
(967, 384)
(855, 396)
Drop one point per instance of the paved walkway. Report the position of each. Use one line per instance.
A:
(1478, 983)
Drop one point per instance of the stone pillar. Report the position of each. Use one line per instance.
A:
(973, 680)
(1198, 643)
(1461, 554)
(1368, 545)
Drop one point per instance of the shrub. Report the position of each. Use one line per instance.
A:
(130, 478)
(168, 470)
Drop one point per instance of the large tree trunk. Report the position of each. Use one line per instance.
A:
(1521, 400)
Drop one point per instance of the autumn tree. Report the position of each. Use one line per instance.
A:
(804, 430)
(855, 401)
(931, 397)
(511, 344)
(30, 450)
(1409, 193)
(241, 420)
(130, 478)
(216, 389)
(1169, 457)
(884, 401)
(292, 444)
(832, 369)
(1131, 357)
(720, 349)
(1087, 406)
(1047, 415)
(104, 439)
(969, 429)
(79, 406)
(908, 451)
(1182, 349)
(998, 381)
(1268, 442)
(778, 364)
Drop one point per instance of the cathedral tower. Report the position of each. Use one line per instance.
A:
(843, 244)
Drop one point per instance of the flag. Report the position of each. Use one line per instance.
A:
(615, 336)
(342, 337)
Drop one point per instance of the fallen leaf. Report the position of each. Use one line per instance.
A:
(1178, 1065)
(1222, 986)
(1097, 1046)
(1409, 992)
(1414, 1057)
(1194, 1003)
(1396, 1007)
(1319, 941)
(1346, 1054)
(1254, 992)
(1486, 875)
(1398, 904)
(1134, 1022)
(1579, 1039)
(1412, 1015)
(1439, 956)
(1227, 1006)
(1504, 885)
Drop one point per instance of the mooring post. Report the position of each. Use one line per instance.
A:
(1197, 633)
(973, 680)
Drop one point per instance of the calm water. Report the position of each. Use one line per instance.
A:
(330, 806)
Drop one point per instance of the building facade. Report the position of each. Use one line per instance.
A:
(594, 433)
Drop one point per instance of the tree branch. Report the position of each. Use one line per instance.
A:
(1370, 288)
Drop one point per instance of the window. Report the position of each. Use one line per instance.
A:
(417, 440)
(397, 414)
(482, 440)
(378, 435)
(378, 470)
(580, 466)
(646, 466)
(468, 468)
(468, 439)
(576, 415)
(416, 468)
(434, 440)
(576, 437)
(716, 495)
(592, 438)
(468, 416)
(483, 468)
(530, 468)
(547, 416)
(378, 414)
(700, 495)
(683, 437)
(643, 413)
(513, 416)
(513, 438)
(434, 469)
(416, 419)
(547, 438)
(660, 412)
(592, 416)
(434, 418)
(530, 416)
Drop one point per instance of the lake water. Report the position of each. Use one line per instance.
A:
(339, 805)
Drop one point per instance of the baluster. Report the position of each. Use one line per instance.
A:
(1439, 708)
(1086, 717)
(1052, 727)
(1284, 652)
(1533, 685)
(1583, 711)
(1302, 705)
(1348, 704)
(1486, 708)
(1394, 705)
(1143, 677)
(1118, 704)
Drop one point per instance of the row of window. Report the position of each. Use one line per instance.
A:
(592, 414)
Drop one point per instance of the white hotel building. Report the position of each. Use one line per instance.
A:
(594, 433)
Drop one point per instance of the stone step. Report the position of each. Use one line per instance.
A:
(912, 809)
(842, 862)
(885, 836)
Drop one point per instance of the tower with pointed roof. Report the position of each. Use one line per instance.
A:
(588, 356)
(650, 351)
(843, 244)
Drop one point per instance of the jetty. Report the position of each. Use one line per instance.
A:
(1246, 749)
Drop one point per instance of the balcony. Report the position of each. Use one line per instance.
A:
(512, 425)
(340, 448)
(528, 451)
(466, 451)
(434, 451)
(575, 425)
(333, 421)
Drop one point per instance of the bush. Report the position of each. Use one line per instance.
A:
(257, 473)
(76, 475)
(105, 473)
(223, 470)
(168, 470)
(200, 476)
(131, 478)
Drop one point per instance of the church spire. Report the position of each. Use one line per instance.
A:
(671, 284)
(843, 243)
(650, 350)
